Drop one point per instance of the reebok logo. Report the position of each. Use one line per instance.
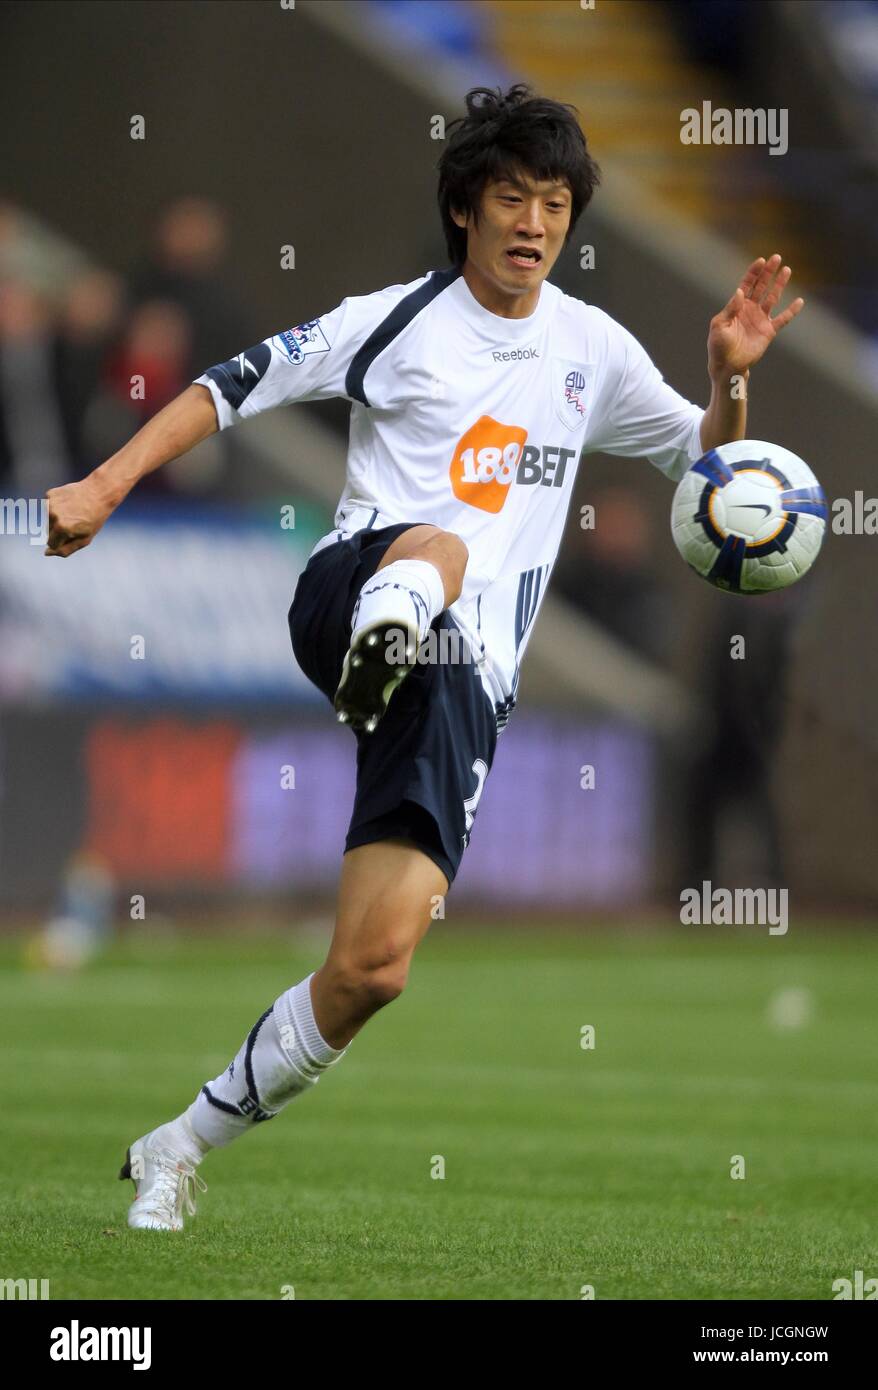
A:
(515, 355)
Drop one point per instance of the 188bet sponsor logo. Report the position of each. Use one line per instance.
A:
(491, 456)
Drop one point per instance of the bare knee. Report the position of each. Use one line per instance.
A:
(449, 554)
(385, 904)
(441, 548)
(368, 980)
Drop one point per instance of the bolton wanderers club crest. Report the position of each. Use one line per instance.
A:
(571, 389)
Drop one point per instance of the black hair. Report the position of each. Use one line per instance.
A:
(504, 134)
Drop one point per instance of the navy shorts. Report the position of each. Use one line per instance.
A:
(434, 745)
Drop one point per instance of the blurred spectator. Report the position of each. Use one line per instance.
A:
(146, 369)
(57, 316)
(89, 316)
(731, 772)
(83, 364)
(187, 268)
(608, 573)
(35, 450)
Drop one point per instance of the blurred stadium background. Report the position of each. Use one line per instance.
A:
(310, 128)
(143, 799)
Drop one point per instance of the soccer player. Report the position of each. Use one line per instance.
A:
(474, 390)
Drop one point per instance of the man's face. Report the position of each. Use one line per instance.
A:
(518, 238)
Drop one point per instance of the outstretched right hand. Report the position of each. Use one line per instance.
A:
(77, 511)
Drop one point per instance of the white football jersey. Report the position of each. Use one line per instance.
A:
(474, 423)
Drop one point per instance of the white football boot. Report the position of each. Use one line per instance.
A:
(164, 1183)
(370, 674)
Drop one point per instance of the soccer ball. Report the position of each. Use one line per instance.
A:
(749, 517)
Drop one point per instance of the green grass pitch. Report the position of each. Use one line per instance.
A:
(564, 1167)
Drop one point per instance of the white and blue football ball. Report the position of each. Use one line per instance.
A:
(749, 517)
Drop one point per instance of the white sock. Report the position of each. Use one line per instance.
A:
(407, 590)
(179, 1136)
(282, 1055)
